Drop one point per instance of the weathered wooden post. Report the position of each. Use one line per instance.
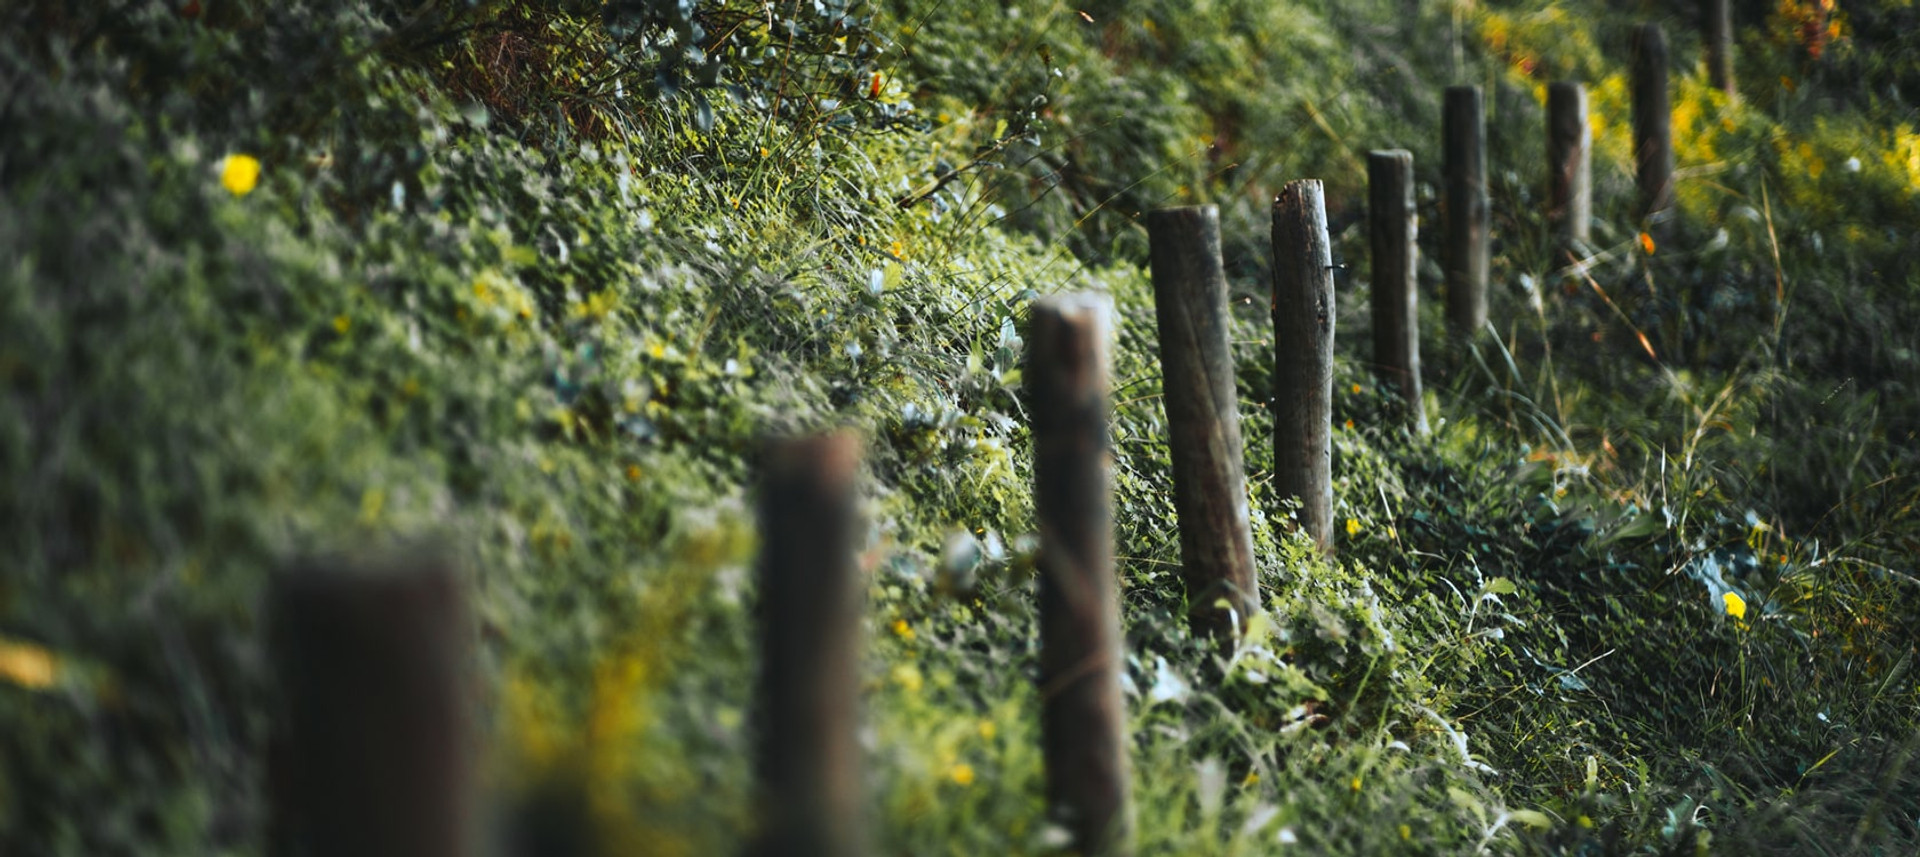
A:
(1083, 718)
(811, 595)
(375, 757)
(1652, 121)
(1466, 209)
(1719, 38)
(1392, 228)
(1569, 163)
(1203, 420)
(1303, 356)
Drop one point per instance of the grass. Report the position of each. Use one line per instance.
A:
(517, 284)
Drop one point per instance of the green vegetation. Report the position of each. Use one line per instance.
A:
(530, 281)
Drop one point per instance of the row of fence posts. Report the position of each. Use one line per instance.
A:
(1465, 203)
(376, 758)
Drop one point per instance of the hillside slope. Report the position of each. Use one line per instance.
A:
(531, 282)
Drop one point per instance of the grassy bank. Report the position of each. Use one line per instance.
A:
(530, 283)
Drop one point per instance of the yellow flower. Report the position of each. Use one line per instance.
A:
(902, 630)
(988, 730)
(239, 173)
(341, 324)
(1353, 526)
(633, 472)
(961, 773)
(1253, 778)
(1406, 832)
(1356, 388)
(27, 665)
(1355, 785)
(1736, 606)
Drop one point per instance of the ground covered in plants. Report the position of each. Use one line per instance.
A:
(531, 281)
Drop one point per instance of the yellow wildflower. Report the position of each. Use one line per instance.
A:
(988, 730)
(1353, 526)
(341, 324)
(1736, 606)
(633, 472)
(961, 773)
(239, 173)
(27, 665)
(902, 630)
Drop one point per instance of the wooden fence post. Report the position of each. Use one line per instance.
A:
(1203, 420)
(1392, 228)
(810, 602)
(1466, 209)
(1719, 38)
(1083, 721)
(374, 760)
(1303, 356)
(1569, 163)
(1652, 121)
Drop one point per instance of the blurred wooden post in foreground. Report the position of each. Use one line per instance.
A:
(1303, 356)
(1465, 206)
(1083, 717)
(1569, 163)
(374, 665)
(1719, 39)
(1652, 121)
(811, 596)
(1392, 229)
(1203, 420)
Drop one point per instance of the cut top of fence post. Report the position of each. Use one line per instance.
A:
(1083, 716)
(374, 662)
(1203, 419)
(810, 605)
